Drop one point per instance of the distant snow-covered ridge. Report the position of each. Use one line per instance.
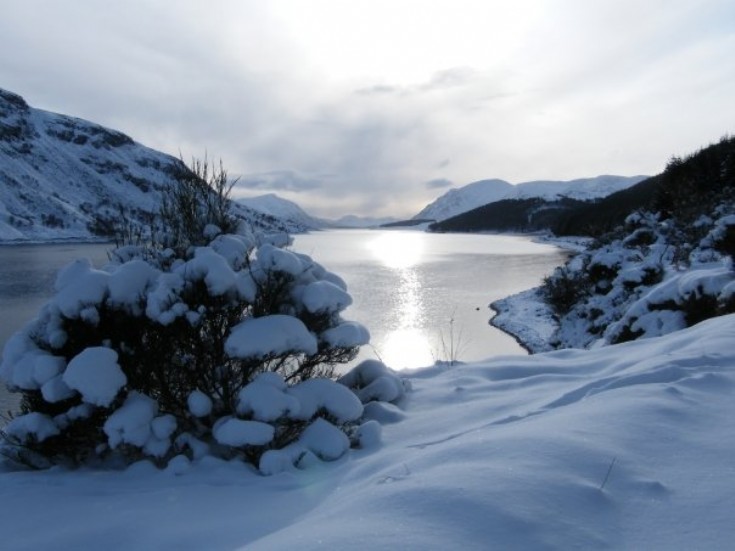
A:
(288, 211)
(283, 209)
(66, 178)
(459, 200)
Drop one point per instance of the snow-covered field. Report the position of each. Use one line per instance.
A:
(627, 447)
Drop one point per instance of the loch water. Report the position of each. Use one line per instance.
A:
(424, 297)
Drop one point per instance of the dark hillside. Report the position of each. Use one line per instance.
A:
(694, 184)
(519, 215)
(688, 187)
(595, 219)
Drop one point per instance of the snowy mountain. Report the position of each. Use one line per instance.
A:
(456, 201)
(352, 221)
(477, 194)
(582, 189)
(283, 209)
(66, 178)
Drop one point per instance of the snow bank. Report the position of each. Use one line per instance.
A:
(623, 447)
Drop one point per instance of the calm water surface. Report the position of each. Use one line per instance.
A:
(424, 297)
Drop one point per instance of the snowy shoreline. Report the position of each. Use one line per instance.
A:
(526, 318)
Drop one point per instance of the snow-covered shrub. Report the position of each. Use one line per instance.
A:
(684, 299)
(722, 236)
(196, 207)
(563, 289)
(229, 348)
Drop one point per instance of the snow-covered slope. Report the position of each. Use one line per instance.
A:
(65, 178)
(457, 201)
(583, 189)
(283, 209)
(353, 221)
(624, 447)
(477, 194)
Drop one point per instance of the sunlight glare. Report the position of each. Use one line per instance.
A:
(406, 348)
(398, 250)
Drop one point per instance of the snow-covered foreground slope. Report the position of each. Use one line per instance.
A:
(625, 447)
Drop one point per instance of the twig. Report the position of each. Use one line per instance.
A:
(609, 470)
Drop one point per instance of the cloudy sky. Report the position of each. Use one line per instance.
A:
(379, 106)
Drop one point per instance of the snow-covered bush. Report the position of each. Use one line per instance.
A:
(563, 289)
(196, 207)
(682, 300)
(229, 349)
(722, 236)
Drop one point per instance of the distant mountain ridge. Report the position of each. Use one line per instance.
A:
(283, 209)
(66, 178)
(476, 194)
(353, 221)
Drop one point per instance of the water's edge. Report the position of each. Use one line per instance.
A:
(526, 318)
(493, 321)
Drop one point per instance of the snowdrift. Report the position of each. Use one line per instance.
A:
(627, 446)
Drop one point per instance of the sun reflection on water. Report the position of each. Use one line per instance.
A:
(398, 250)
(407, 344)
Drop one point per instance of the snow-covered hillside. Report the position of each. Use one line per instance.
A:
(477, 194)
(283, 209)
(625, 447)
(457, 201)
(353, 221)
(288, 211)
(65, 178)
(582, 189)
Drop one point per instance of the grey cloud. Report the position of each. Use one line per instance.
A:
(378, 90)
(449, 78)
(438, 183)
(279, 180)
(452, 77)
